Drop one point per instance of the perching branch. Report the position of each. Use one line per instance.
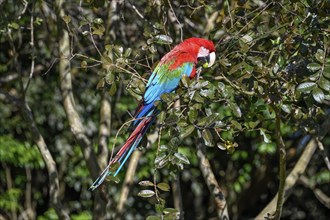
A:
(211, 182)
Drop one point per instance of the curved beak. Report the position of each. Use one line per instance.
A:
(212, 59)
(209, 60)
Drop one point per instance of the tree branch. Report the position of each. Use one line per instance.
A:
(321, 196)
(211, 182)
(298, 169)
(45, 153)
(129, 177)
(282, 163)
(75, 122)
(291, 180)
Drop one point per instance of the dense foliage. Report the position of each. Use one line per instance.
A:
(271, 82)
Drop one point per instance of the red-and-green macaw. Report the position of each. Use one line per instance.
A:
(180, 61)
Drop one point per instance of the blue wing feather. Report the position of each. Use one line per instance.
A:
(161, 81)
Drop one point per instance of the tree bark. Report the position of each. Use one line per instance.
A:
(45, 153)
(211, 182)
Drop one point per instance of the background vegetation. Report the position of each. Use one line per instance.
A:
(72, 71)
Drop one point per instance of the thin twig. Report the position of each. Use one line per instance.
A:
(32, 47)
(180, 25)
(323, 153)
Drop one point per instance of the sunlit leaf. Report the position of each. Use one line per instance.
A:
(318, 95)
(306, 87)
(324, 83)
(113, 89)
(170, 210)
(319, 55)
(146, 193)
(208, 137)
(66, 18)
(235, 109)
(221, 146)
(185, 132)
(182, 158)
(113, 179)
(114, 167)
(314, 66)
(267, 137)
(163, 39)
(163, 187)
(146, 183)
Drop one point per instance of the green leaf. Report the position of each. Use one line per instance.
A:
(187, 131)
(182, 158)
(146, 193)
(236, 68)
(324, 83)
(153, 217)
(146, 183)
(114, 167)
(235, 109)
(319, 55)
(236, 124)
(66, 18)
(98, 21)
(192, 115)
(163, 39)
(326, 71)
(113, 89)
(110, 78)
(170, 210)
(83, 64)
(253, 124)
(208, 137)
(166, 97)
(128, 52)
(113, 179)
(306, 87)
(163, 187)
(318, 95)
(171, 120)
(212, 118)
(267, 137)
(161, 161)
(286, 108)
(314, 66)
(14, 25)
(246, 39)
(202, 122)
(185, 81)
(221, 146)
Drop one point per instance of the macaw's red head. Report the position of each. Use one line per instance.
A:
(198, 51)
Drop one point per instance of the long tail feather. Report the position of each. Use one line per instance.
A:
(126, 150)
